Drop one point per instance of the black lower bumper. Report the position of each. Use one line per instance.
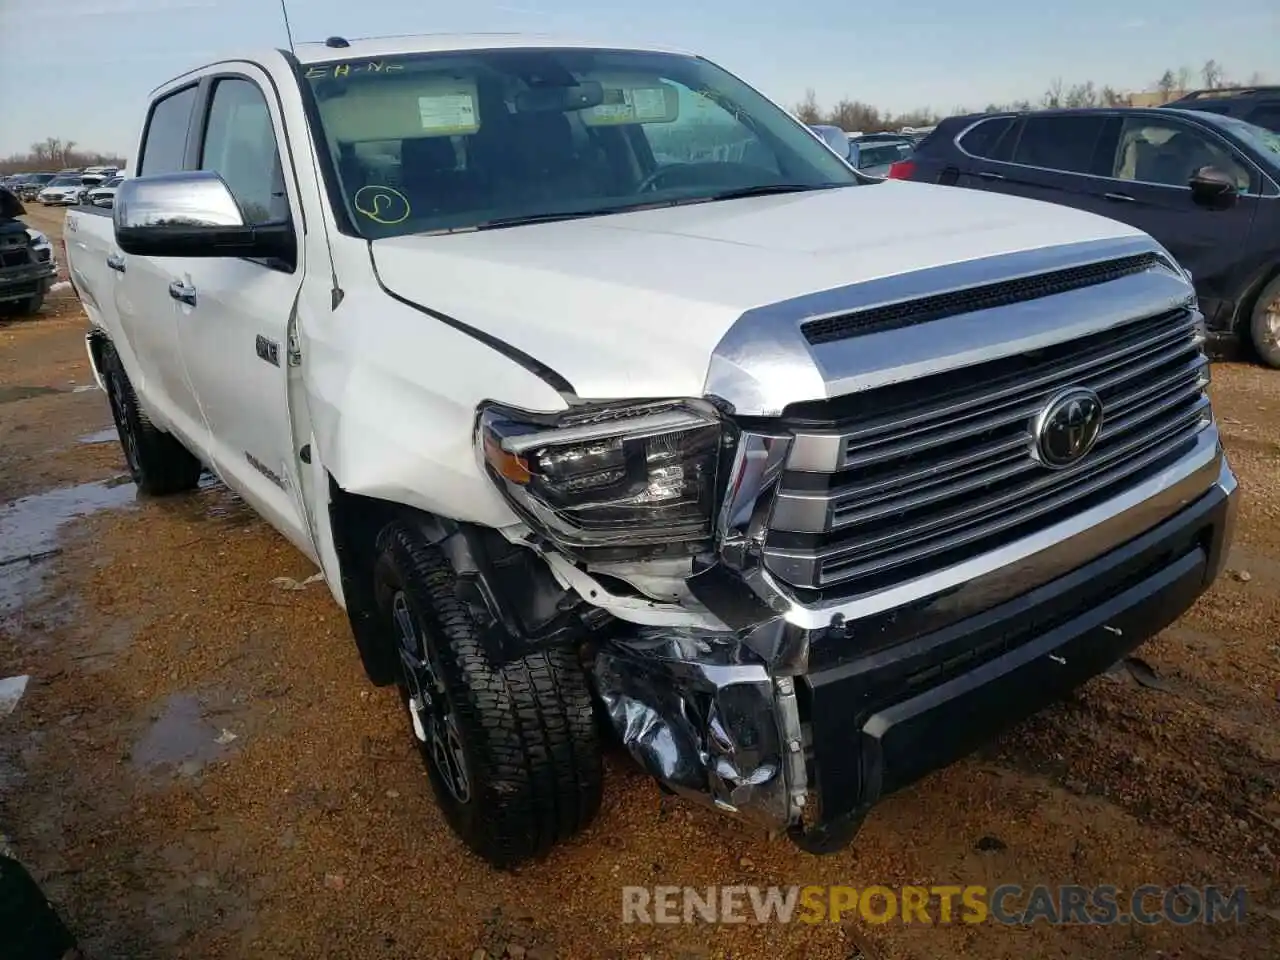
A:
(881, 721)
(26, 283)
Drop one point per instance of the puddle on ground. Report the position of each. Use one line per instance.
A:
(29, 534)
(108, 435)
(12, 394)
(179, 737)
(216, 501)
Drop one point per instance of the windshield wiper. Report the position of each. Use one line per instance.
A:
(519, 221)
(759, 190)
(766, 189)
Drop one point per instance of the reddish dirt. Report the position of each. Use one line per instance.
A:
(157, 631)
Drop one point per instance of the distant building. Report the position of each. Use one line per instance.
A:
(1152, 98)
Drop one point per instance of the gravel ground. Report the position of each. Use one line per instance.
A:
(198, 769)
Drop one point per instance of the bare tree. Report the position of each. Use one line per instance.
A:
(1082, 95)
(855, 115)
(1166, 85)
(1256, 79)
(1211, 73)
(1185, 77)
(1110, 97)
(54, 153)
(1053, 94)
(807, 110)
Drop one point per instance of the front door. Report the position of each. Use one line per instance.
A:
(1148, 187)
(147, 314)
(235, 314)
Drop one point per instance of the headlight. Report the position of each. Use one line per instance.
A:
(628, 479)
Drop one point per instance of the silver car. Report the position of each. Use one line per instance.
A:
(62, 190)
(104, 194)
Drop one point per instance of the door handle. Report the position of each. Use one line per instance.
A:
(115, 262)
(989, 175)
(183, 291)
(1118, 198)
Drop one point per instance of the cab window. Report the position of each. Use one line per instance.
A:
(240, 146)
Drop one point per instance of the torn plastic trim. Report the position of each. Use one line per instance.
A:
(700, 712)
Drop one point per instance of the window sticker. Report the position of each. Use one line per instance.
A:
(381, 204)
(447, 113)
(634, 104)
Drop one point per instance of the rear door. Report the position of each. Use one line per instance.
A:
(148, 315)
(1147, 185)
(1048, 157)
(234, 320)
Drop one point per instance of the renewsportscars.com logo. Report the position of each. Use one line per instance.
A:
(1009, 904)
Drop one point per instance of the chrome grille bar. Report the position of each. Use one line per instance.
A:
(940, 469)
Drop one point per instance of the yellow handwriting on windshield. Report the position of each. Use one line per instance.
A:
(381, 204)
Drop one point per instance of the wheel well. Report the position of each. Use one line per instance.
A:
(1249, 299)
(356, 521)
(509, 585)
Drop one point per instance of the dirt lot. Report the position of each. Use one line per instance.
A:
(198, 769)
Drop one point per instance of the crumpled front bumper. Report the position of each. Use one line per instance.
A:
(705, 717)
(881, 702)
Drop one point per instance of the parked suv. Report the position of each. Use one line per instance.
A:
(32, 184)
(1257, 105)
(1207, 186)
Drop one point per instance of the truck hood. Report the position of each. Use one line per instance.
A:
(633, 305)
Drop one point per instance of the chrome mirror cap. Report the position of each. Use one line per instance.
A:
(198, 198)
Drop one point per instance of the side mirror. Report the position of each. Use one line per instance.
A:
(1210, 187)
(193, 214)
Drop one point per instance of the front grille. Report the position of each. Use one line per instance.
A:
(907, 479)
(894, 316)
(19, 290)
(13, 258)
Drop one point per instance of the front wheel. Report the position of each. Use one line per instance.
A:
(1265, 324)
(511, 750)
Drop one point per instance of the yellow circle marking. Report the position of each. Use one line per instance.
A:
(380, 199)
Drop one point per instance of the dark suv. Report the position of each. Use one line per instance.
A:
(1257, 105)
(1205, 185)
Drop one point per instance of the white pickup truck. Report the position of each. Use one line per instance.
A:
(591, 444)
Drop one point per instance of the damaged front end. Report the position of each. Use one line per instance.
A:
(701, 713)
(625, 505)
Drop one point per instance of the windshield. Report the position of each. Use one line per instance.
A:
(64, 182)
(489, 138)
(1266, 142)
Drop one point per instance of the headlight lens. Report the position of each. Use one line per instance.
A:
(617, 478)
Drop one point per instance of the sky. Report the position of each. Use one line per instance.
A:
(81, 69)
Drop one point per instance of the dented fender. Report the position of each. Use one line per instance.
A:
(392, 395)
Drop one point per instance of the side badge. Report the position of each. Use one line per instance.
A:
(268, 350)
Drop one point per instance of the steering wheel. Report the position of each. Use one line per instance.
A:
(651, 181)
